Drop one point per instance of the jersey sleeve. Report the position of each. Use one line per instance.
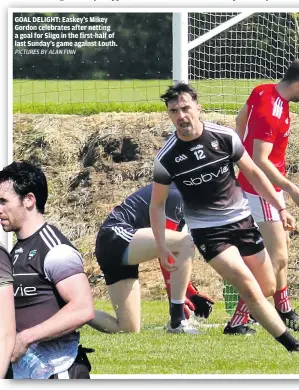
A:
(161, 175)
(237, 147)
(5, 269)
(261, 124)
(263, 128)
(252, 97)
(61, 262)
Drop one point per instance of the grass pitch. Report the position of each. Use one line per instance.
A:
(153, 351)
(94, 96)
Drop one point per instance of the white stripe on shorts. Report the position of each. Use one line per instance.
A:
(121, 232)
(262, 210)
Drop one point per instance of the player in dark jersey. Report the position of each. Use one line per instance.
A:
(199, 158)
(52, 294)
(8, 325)
(124, 240)
(263, 125)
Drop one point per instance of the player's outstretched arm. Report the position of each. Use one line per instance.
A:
(158, 222)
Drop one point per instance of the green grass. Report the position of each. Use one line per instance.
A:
(94, 96)
(153, 351)
(87, 96)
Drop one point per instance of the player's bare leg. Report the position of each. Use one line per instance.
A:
(277, 241)
(125, 299)
(230, 265)
(197, 305)
(125, 294)
(261, 267)
(143, 248)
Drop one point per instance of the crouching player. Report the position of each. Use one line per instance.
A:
(123, 242)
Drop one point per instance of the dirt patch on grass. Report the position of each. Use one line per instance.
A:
(94, 162)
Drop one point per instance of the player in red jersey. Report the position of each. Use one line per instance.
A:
(263, 124)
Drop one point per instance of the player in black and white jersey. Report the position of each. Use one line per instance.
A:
(125, 240)
(52, 294)
(7, 316)
(199, 158)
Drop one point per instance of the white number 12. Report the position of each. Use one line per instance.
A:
(199, 154)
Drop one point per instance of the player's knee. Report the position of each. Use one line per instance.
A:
(186, 252)
(280, 263)
(130, 328)
(267, 283)
(187, 245)
(269, 288)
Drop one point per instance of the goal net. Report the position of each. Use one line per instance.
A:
(231, 58)
(228, 54)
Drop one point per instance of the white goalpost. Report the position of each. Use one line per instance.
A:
(224, 55)
(182, 46)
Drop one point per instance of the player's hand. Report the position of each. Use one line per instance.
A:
(288, 221)
(168, 260)
(20, 348)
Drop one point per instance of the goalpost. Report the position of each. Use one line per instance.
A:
(224, 55)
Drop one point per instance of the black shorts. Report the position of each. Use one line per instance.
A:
(243, 234)
(9, 373)
(111, 244)
(81, 367)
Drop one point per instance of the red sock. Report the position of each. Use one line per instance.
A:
(282, 300)
(241, 314)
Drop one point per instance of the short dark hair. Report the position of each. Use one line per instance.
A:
(27, 178)
(292, 74)
(174, 91)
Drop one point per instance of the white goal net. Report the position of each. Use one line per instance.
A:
(226, 66)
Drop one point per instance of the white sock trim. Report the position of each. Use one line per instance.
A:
(178, 301)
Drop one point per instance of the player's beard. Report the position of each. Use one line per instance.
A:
(192, 131)
(185, 129)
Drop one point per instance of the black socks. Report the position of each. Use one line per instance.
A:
(288, 341)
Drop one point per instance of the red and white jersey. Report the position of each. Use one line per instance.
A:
(268, 120)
